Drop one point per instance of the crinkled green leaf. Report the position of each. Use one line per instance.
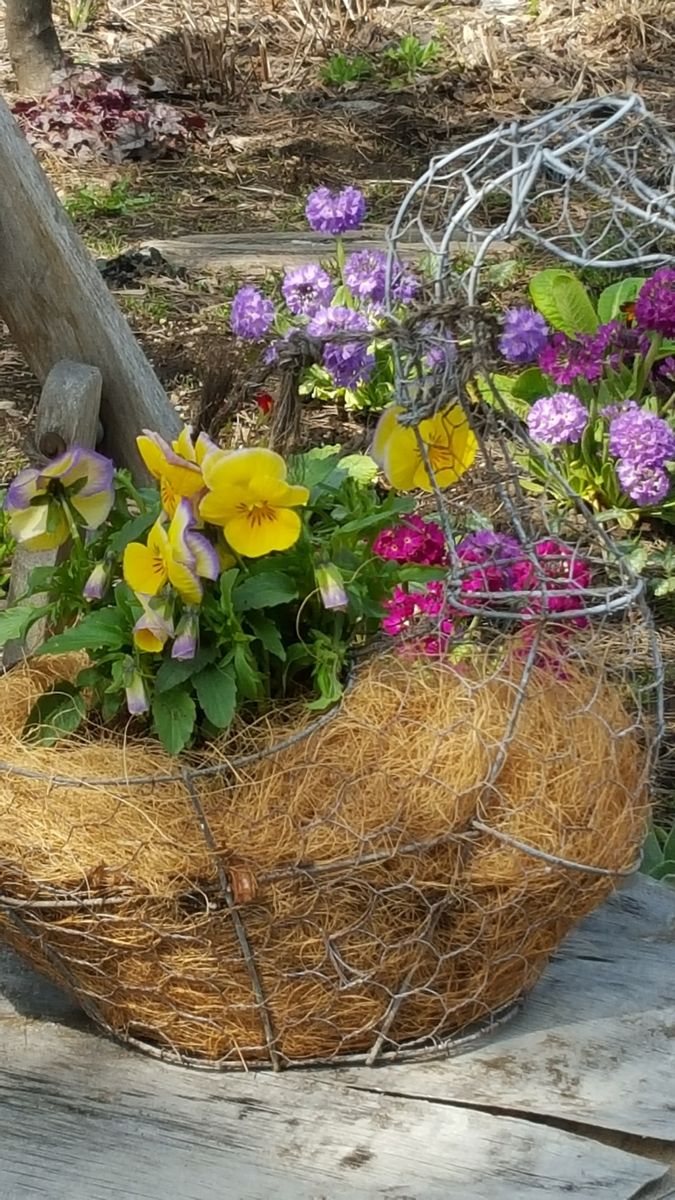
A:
(563, 301)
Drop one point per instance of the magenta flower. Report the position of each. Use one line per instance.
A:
(558, 419)
(307, 289)
(556, 580)
(186, 642)
(641, 437)
(251, 314)
(525, 335)
(644, 485)
(79, 481)
(335, 212)
(349, 363)
(655, 305)
(495, 555)
(414, 541)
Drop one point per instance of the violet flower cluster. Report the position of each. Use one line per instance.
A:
(549, 580)
(643, 443)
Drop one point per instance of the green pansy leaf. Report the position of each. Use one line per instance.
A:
(664, 870)
(264, 590)
(105, 629)
(563, 301)
(15, 621)
(249, 680)
(173, 716)
(267, 634)
(174, 671)
(216, 692)
(133, 530)
(55, 714)
(652, 854)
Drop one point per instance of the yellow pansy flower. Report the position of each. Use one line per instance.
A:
(449, 439)
(250, 499)
(178, 478)
(154, 627)
(177, 555)
(194, 452)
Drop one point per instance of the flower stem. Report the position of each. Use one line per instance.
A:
(647, 364)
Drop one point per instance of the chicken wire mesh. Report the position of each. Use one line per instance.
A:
(385, 881)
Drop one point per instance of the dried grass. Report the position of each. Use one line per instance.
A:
(372, 905)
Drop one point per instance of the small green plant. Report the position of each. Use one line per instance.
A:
(99, 201)
(342, 69)
(81, 14)
(658, 855)
(152, 307)
(411, 57)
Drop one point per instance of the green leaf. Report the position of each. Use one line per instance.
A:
(111, 705)
(669, 845)
(360, 467)
(55, 714)
(15, 621)
(101, 630)
(315, 466)
(652, 854)
(227, 582)
(666, 868)
(267, 633)
(563, 301)
(174, 672)
(173, 715)
(623, 292)
(217, 694)
(530, 385)
(264, 590)
(132, 531)
(249, 679)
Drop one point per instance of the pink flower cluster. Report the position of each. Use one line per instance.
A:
(413, 541)
(548, 580)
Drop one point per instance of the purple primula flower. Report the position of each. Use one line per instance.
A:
(405, 285)
(186, 642)
(413, 541)
(306, 289)
(566, 359)
(347, 362)
(641, 437)
(644, 485)
(655, 305)
(335, 212)
(525, 335)
(365, 275)
(557, 419)
(251, 314)
(666, 368)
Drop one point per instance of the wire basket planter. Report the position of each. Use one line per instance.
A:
(384, 881)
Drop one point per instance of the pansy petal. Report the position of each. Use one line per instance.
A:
(204, 556)
(39, 527)
(163, 463)
(63, 464)
(252, 537)
(216, 509)
(401, 459)
(183, 445)
(184, 580)
(386, 427)
(93, 509)
(23, 488)
(222, 472)
(204, 446)
(143, 571)
(97, 471)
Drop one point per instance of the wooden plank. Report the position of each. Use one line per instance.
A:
(594, 1044)
(253, 254)
(67, 415)
(84, 1120)
(57, 306)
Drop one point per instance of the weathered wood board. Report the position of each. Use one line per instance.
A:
(253, 254)
(596, 1041)
(57, 306)
(83, 1119)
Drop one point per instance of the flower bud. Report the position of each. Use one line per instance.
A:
(187, 636)
(137, 697)
(331, 586)
(97, 583)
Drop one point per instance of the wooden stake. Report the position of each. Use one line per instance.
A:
(57, 306)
